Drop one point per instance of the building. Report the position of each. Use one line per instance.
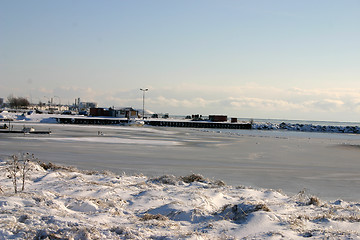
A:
(217, 118)
(127, 112)
(99, 112)
(80, 106)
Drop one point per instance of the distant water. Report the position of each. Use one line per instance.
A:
(278, 121)
(284, 133)
(313, 122)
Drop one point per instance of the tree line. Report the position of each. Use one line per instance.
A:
(18, 102)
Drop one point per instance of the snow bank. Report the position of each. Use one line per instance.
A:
(29, 116)
(65, 203)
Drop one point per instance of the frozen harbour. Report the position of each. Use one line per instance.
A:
(324, 164)
(139, 202)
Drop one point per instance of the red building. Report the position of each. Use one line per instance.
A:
(218, 118)
(97, 112)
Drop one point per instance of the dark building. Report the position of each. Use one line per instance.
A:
(218, 118)
(97, 112)
(114, 112)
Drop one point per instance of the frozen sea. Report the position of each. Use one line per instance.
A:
(324, 164)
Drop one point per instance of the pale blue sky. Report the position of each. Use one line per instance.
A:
(256, 59)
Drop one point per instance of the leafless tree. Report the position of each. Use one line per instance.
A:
(17, 102)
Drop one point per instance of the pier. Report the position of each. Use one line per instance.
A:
(153, 122)
(24, 132)
(198, 124)
(91, 120)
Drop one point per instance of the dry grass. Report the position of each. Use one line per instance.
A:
(241, 211)
(55, 167)
(166, 179)
(314, 201)
(193, 178)
(159, 217)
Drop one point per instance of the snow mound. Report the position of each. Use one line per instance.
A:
(29, 116)
(65, 203)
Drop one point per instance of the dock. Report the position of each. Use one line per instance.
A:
(25, 130)
(22, 132)
(153, 122)
(198, 124)
(91, 120)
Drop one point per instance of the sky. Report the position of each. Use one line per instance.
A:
(274, 59)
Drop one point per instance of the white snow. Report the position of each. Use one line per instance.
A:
(66, 203)
(107, 140)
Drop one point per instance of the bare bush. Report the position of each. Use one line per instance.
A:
(314, 201)
(241, 211)
(166, 179)
(18, 168)
(193, 178)
(304, 198)
(50, 166)
(55, 167)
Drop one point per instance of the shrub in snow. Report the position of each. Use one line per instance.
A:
(241, 211)
(166, 179)
(305, 199)
(314, 201)
(18, 168)
(159, 217)
(219, 183)
(51, 166)
(173, 180)
(193, 178)
(54, 167)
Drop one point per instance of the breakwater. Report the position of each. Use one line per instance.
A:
(306, 127)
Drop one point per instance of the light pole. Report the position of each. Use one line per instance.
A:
(143, 90)
(48, 102)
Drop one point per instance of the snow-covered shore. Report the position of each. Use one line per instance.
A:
(66, 203)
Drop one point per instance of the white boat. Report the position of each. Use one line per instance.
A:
(28, 129)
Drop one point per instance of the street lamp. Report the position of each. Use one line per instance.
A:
(143, 90)
(48, 101)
